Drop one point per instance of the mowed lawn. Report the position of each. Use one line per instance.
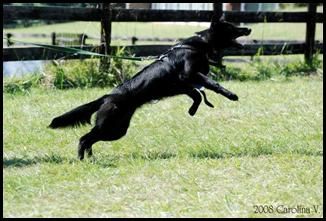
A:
(264, 150)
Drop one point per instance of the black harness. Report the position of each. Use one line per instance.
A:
(181, 46)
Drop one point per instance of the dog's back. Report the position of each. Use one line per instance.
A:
(162, 78)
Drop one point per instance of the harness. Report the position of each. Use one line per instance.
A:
(180, 46)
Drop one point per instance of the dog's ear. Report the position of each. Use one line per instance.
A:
(216, 20)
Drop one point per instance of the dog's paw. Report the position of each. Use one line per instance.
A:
(233, 97)
(209, 104)
(191, 112)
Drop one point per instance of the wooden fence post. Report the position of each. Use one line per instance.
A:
(9, 42)
(53, 38)
(218, 9)
(133, 40)
(218, 12)
(310, 32)
(105, 37)
(82, 39)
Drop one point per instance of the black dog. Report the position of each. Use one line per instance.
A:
(181, 70)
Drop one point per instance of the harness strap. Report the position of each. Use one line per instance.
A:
(181, 46)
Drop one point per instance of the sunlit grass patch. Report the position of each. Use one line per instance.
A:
(265, 149)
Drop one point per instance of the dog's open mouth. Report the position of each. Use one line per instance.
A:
(242, 32)
(237, 44)
(246, 31)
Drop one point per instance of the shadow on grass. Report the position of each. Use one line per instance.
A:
(99, 160)
(211, 154)
(113, 160)
(27, 161)
(152, 155)
(110, 161)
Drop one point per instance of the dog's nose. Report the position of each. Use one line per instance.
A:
(248, 31)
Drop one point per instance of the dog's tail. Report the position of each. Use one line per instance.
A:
(78, 116)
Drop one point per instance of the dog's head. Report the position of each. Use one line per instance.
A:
(222, 34)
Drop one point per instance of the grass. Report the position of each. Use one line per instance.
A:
(265, 149)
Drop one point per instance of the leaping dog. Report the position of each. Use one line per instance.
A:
(181, 70)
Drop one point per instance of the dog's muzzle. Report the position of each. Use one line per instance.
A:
(248, 32)
(245, 32)
(241, 32)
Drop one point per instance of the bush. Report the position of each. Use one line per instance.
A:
(22, 84)
(86, 73)
(302, 68)
(230, 73)
(72, 74)
(263, 69)
(120, 70)
(67, 74)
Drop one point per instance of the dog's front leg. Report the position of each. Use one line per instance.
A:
(210, 84)
(205, 99)
(196, 97)
(201, 90)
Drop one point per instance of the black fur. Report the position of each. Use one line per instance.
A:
(78, 116)
(182, 70)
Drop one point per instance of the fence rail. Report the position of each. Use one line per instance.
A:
(77, 37)
(268, 48)
(132, 15)
(308, 47)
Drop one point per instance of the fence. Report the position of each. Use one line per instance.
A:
(308, 47)
(55, 38)
(80, 38)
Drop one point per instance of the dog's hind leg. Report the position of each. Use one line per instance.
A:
(86, 142)
(196, 97)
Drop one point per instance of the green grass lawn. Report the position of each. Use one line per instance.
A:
(265, 149)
